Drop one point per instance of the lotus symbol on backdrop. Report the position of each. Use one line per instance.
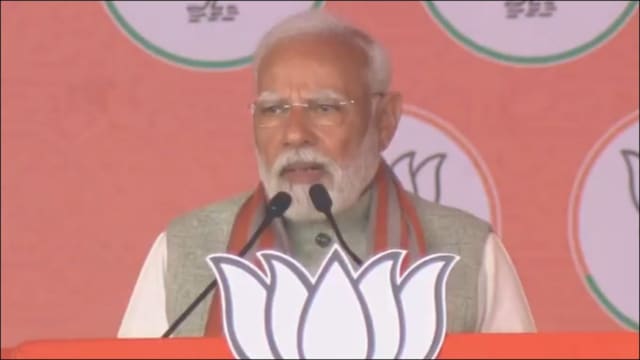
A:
(631, 161)
(422, 177)
(374, 312)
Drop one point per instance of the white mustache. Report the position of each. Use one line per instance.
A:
(309, 155)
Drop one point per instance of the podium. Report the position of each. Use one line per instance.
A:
(621, 345)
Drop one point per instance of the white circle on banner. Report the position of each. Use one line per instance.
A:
(202, 34)
(531, 32)
(604, 222)
(434, 161)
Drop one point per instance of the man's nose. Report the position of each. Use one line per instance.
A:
(296, 130)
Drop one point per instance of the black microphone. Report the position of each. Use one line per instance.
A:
(275, 208)
(322, 202)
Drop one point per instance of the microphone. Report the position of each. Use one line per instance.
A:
(275, 208)
(322, 202)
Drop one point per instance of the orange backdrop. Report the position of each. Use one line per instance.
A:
(103, 143)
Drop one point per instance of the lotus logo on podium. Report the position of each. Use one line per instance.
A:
(375, 312)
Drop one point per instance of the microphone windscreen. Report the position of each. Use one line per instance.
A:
(320, 198)
(278, 204)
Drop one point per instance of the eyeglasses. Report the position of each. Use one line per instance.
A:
(322, 112)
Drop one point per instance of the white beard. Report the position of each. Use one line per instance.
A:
(345, 184)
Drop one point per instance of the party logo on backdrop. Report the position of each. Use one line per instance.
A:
(604, 221)
(434, 161)
(374, 312)
(208, 35)
(531, 33)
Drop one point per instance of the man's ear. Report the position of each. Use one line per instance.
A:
(389, 115)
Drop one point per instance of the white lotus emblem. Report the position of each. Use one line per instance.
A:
(372, 313)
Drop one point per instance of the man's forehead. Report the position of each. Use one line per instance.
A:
(310, 61)
(330, 47)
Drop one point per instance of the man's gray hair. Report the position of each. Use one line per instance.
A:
(317, 22)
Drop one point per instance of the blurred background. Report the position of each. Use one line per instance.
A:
(119, 116)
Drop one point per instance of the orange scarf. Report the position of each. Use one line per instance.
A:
(393, 225)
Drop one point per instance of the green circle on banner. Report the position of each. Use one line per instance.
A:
(181, 32)
(531, 26)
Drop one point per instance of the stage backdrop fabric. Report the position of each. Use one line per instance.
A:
(119, 116)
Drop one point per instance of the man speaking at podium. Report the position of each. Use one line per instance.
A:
(324, 113)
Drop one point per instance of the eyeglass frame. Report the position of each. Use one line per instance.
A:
(288, 106)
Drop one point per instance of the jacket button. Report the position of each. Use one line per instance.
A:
(323, 240)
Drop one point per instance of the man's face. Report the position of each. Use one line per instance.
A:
(313, 121)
